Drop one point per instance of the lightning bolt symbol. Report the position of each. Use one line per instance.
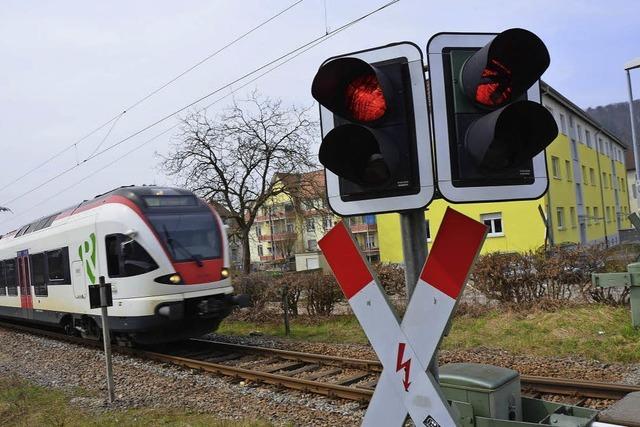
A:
(406, 365)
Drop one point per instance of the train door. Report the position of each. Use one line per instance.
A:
(24, 282)
(78, 281)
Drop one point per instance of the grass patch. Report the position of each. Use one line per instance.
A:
(592, 331)
(336, 329)
(23, 404)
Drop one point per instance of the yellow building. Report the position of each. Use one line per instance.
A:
(287, 228)
(587, 199)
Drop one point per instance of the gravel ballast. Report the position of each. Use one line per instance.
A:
(140, 383)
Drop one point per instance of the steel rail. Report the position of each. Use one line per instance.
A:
(307, 386)
(321, 359)
(538, 384)
(579, 388)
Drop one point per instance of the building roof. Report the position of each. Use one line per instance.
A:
(548, 90)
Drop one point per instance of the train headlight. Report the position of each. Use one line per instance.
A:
(169, 279)
(224, 273)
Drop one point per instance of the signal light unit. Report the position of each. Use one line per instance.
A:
(375, 146)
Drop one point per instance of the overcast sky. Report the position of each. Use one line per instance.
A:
(69, 66)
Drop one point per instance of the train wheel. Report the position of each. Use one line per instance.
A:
(67, 326)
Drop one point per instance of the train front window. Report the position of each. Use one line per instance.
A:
(126, 257)
(192, 236)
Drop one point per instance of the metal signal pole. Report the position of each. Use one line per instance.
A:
(106, 336)
(415, 251)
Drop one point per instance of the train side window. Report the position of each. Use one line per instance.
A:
(3, 282)
(58, 267)
(38, 277)
(126, 257)
(10, 276)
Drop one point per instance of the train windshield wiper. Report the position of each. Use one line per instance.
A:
(170, 241)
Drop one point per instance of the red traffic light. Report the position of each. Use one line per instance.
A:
(496, 88)
(505, 68)
(364, 99)
(353, 89)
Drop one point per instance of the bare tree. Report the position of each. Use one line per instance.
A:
(244, 156)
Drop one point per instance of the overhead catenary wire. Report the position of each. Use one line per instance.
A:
(113, 121)
(154, 138)
(266, 68)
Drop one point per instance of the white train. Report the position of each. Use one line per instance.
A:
(164, 251)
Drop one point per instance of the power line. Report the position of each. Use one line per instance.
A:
(117, 117)
(269, 67)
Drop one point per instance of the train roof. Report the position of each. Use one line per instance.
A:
(131, 192)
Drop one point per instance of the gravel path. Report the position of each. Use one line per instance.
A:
(147, 384)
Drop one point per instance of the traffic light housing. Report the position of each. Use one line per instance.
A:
(489, 127)
(376, 147)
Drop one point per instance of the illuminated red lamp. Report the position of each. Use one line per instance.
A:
(364, 99)
(496, 87)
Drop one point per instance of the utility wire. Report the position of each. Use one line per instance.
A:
(283, 59)
(117, 117)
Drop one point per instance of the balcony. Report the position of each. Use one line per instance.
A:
(275, 216)
(267, 258)
(371, 251)
(363, 228)
(277, 237)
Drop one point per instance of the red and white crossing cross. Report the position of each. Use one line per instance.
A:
(441, 282)
(405, 350)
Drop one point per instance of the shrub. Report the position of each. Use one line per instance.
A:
(322, 293)
(391, 278)
(562, 274)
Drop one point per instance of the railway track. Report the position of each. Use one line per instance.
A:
(332, 376)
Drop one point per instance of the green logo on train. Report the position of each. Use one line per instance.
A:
(87, 252)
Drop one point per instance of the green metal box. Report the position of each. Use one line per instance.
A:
(493, 391)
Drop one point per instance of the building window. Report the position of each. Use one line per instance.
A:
(494, 222)
(288, 207)
(587, 137)
(311, 225)
(579, 133)
(555, 167)
(592, 176)
(560, 218)
(260, 251)
(290, 227)
(584, 175)
(607, 214)
(596, 216)
(588, 215)
(563, 124)
(258, 230)
(574, 150)
(604, 179)
(369, 241)
(312, 244)
(572, 214)
(567, 166)
(622, 186)
(327, 222)
(578, 194)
